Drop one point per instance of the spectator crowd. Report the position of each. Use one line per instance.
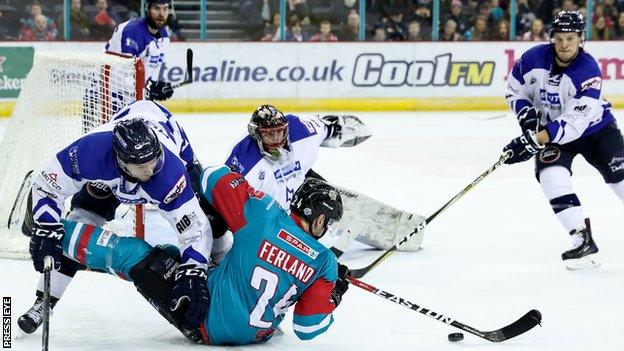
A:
(322, 20)
(411, 20)
(43, 20)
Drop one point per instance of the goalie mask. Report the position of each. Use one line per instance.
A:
(138, 152)
(269, 128)
(315, 197)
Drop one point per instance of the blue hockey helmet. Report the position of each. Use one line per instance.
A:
(315, 197)
(568, 21)
(134, 143)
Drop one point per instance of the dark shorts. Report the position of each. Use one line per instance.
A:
(604, 150)
(96, 198)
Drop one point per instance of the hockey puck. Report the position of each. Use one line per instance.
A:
(456, 337)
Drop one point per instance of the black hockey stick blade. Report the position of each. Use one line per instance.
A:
(521, 326)
(189, 70)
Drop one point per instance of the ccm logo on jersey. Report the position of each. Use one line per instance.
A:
(297, 244)
(285, 261)
(176, 191)
(592, 83)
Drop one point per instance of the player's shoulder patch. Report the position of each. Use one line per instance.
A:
(585, 73)
(176, 191)
(244, 156)
(301, 128)
(592, 83)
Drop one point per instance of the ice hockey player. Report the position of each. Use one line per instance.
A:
(275, 262)
(142, 156)
(148, 39)
(279, 152)
(555, 90)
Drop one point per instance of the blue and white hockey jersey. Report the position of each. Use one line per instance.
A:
(273, 264)
(281, 178)
(569, 98)
(134, 38)
(91, 159)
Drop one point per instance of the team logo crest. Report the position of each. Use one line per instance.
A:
(550, 154)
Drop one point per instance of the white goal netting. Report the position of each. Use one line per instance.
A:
(65, 95)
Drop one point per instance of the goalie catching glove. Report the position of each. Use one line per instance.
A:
(344, 131)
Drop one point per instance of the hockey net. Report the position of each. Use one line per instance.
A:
(65, 95)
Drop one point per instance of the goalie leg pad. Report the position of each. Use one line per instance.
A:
(377, 224)
(385, 234)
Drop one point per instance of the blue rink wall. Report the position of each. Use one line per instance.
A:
(423, 76)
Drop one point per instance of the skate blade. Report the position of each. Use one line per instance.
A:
(587, 262)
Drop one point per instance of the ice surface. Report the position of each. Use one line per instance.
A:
(486, 261)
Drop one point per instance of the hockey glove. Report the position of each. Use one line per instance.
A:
(529, 119)
(159, 91)
(344, 131)
(190, 295)
(522, 148)
(342, 284)
(46, 240)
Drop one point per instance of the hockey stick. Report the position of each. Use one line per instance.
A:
(522, 325)
(19, 199)
(488, 118)
(359, 273)
(47, 268)
(189, 70)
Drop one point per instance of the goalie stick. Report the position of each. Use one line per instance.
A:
(47, 268)
(189, 70)
(359, 273)
(520, 326)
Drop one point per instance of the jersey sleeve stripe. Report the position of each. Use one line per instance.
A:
(306, 332)
(81, 248)
(75, 234)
